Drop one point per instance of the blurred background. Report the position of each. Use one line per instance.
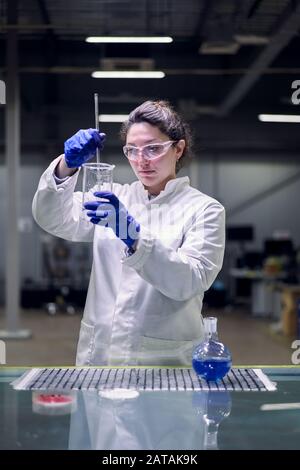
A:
(232, 69)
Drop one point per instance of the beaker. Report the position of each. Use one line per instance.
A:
(96, 177)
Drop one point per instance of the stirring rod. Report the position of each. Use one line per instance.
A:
(96, 100)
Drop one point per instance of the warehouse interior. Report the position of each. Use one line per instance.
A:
(232, 70)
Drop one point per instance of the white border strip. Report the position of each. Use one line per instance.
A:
(270, 386)
(22, 382)
(280, 406)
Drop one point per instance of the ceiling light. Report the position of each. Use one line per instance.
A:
(128, 74)
(129, 39)
(251, 39)
(113, 117)
(219, 47)
(279, 118)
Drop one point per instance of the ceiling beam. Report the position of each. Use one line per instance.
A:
(50, 35)
(87, 70)
(50, 82)
(44, 12)
(286, 31)
(255, 4)
(244, 10)
(203, 17)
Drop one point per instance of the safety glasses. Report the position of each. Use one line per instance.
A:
(149, 151)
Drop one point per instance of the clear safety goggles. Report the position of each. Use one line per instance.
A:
(149, 151)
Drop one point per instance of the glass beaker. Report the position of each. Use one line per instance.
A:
(96, 177)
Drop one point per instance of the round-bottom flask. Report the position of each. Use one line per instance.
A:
(211, 358)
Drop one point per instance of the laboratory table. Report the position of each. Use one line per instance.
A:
(152, 420)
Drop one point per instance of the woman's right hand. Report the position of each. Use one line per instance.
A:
(82, 146)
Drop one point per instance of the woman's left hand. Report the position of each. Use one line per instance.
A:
(110, 212)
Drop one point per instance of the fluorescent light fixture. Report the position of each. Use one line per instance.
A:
(219, 47)
(113, 117)
(129, 39)
(279, 118)
(251, 39)
(128, 74)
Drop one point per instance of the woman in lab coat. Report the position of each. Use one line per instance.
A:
(147, 282)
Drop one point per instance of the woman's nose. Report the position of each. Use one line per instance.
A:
(141, 157)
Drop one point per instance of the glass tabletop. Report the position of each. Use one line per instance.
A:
(147, 420)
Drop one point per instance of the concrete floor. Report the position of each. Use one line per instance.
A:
(54, 339)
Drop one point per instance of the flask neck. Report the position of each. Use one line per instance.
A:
(211, 437)
(210, 328)
(211, 336)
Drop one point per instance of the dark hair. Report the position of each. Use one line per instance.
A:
(162, 115)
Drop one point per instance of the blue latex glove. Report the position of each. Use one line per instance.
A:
(113, 214)
(82, 146)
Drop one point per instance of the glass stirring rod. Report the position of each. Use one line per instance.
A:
(96, 101)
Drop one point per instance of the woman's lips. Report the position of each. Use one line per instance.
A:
(146, 172)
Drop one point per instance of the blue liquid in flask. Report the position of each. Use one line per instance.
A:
(211, 369)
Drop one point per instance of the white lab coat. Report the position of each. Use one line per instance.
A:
(145, 308)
